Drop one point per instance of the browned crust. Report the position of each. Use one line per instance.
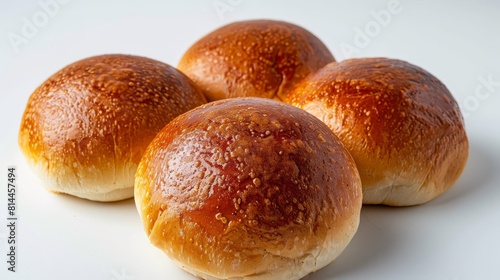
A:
(262, 58)
(401, 124)
(244, 187)
(91, 121)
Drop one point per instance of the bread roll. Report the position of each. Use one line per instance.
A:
(401, 125)
(261, 58)
(85, 129)
(248, 188)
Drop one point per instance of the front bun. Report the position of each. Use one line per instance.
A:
(401, 125)
(261, 58)
(248, 188)
(85, 129)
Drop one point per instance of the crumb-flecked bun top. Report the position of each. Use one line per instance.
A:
(400, 123)
(86, 127)
(248, 187)
(261, 58)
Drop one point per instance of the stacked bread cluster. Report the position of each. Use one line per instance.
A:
(252, 159)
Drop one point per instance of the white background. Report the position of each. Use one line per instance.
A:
(454, 237)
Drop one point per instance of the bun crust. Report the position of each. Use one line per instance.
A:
(401, 125)
(248, 188)
(261, 58)
(85, 129)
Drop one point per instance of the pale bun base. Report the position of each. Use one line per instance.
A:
(296, 268)
(410, 177)
(85, 128)
(401, 125)
(248, 188)
(89, 183)
(115, 195)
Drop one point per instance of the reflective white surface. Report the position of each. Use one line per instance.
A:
(454, 237)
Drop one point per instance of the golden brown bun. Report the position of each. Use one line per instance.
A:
(248, 187)
(401, 125)
(261, 58)
(85, 129)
